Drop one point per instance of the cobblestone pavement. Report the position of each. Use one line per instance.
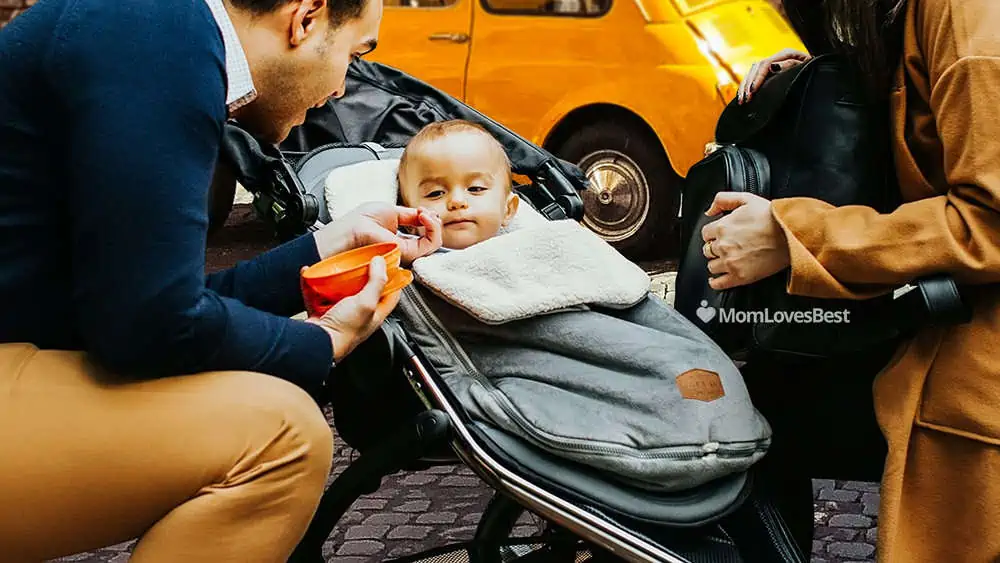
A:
(420, 510)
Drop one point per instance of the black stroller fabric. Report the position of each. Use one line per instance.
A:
(386, 106)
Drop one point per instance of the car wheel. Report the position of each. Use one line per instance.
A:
(634, 192)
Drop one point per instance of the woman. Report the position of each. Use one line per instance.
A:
(937, 64)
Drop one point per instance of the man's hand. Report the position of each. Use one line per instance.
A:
(745, 246)
(379, 222)
(353, 319)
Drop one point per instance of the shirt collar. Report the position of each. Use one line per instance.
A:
(240, 89)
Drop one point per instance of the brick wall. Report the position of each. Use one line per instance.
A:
(11, 8)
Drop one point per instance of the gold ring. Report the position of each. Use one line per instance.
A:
(708, 252)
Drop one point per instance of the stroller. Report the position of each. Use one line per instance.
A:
(421, 422)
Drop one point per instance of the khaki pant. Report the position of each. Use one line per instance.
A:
(213, 467)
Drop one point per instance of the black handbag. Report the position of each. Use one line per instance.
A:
(808, 131)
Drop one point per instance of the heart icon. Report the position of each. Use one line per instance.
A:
(705, 313)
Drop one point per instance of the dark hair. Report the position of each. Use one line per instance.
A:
(341, 11)
(867, 32)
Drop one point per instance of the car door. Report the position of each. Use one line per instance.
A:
(428, 39)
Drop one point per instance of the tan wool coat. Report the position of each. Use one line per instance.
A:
(938, 401)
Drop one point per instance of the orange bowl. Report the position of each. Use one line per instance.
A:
(343, 275)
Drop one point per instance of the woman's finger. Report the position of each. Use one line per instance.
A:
(742, 91)
(716, 267)
(725, 281)
(727, 201)
(707, 251)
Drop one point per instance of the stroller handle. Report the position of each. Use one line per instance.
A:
(565, 195)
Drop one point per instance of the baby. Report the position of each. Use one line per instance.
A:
(458, 170)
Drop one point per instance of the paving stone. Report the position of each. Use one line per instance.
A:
(819, 484)
(418, 479)
(829, 506)
(471, 518)
(400, 551)
(370, 504)
(364, 532)
(460, 481)
(839, 495)
(389, 518)
(818, 547)
(850, 521)
(459, 533)
(409, 532)
(414, 506)
(361, 547)
(870, 502)
(819, 560)
(384, 492)
(853, 550)
(835, 534)
(441, 518)
(872, 535)
(122, 547)
(440, 470)
(352, 517)
(861, 486)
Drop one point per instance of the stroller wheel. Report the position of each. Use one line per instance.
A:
(507, 533)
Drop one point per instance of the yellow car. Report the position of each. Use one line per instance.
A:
(628, 89)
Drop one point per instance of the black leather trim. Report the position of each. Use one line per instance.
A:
(942, 300)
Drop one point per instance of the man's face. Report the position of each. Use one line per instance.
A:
(300, 61)
(463, 179)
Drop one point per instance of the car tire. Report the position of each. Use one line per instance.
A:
(635, 194)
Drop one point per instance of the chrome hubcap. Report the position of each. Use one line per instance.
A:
(617, 203)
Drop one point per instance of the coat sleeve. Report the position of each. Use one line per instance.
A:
(856, 252)
(144, 117)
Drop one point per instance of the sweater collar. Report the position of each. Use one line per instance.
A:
(240, 89)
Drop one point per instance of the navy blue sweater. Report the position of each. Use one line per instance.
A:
(111, 115)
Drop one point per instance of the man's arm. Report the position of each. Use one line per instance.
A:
(143, 90)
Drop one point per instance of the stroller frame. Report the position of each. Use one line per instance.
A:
(445, 423)
(727, 520)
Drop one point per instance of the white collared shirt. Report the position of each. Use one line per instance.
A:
(239, 83)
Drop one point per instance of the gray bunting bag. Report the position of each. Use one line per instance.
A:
(548, 333)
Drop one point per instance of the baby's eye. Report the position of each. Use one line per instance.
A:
(434, 194)
(478, 188)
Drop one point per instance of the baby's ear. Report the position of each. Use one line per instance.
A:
(512, 203)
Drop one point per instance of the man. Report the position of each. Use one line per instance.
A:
(139, 397)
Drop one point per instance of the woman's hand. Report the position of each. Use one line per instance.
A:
(746, 245)
(379, 222)
(761, 70)
(353, 319)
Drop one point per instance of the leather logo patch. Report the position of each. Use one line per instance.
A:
(700, 385)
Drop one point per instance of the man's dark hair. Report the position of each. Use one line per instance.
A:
(341, 11)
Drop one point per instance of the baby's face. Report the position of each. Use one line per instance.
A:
(462, 178)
